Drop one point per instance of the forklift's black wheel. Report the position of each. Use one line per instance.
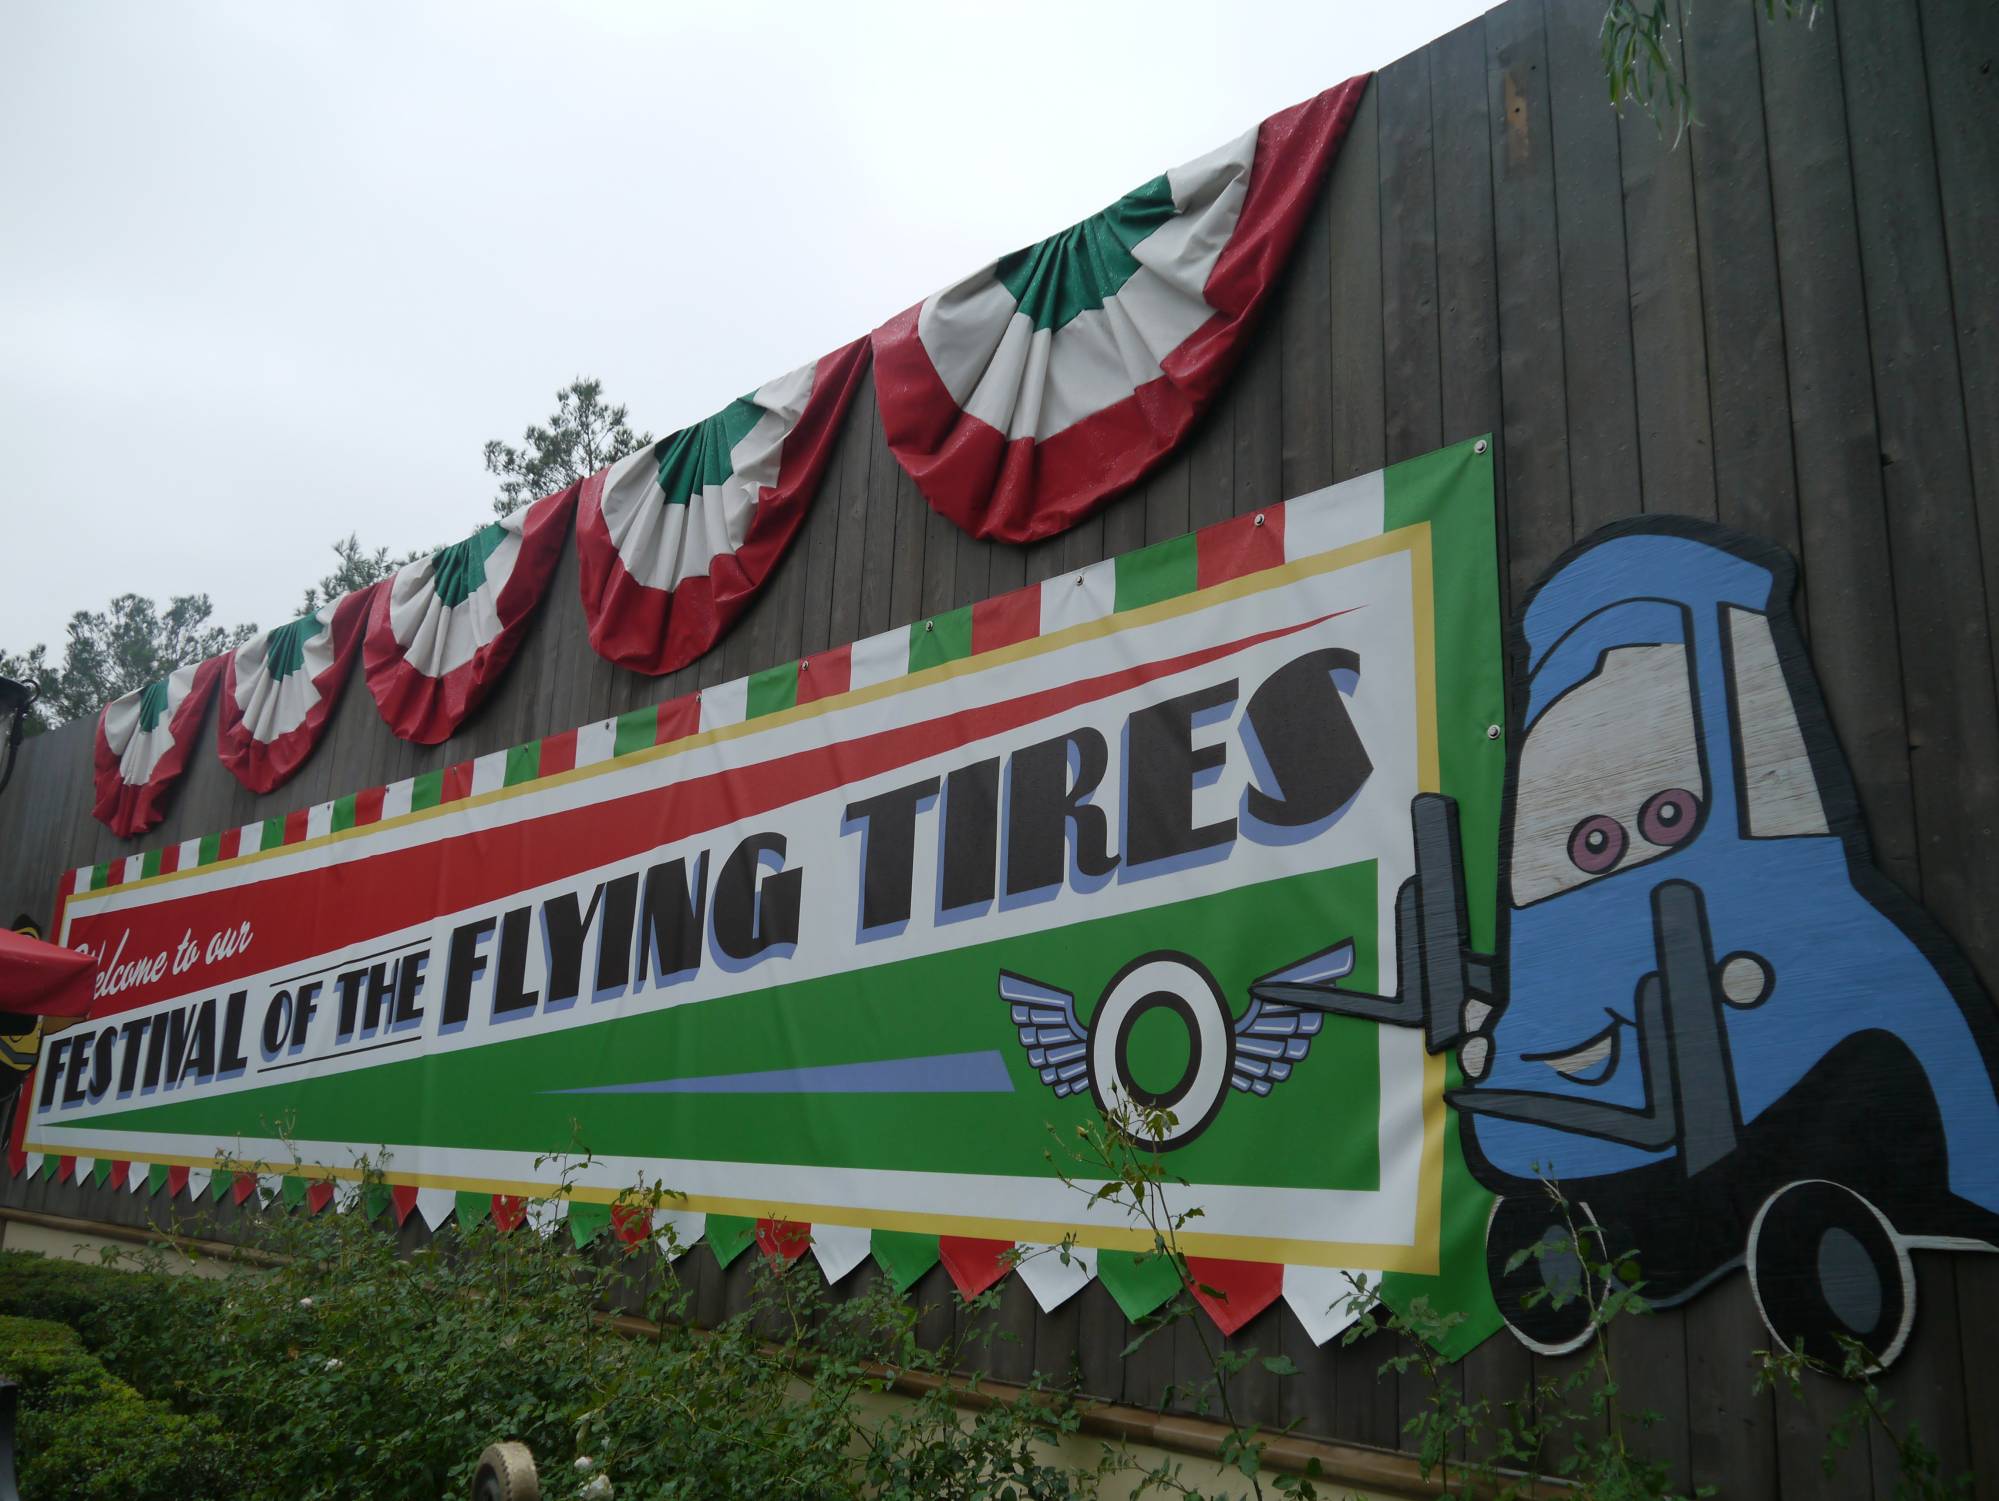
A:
(1543, 1298)
(1825, 1266)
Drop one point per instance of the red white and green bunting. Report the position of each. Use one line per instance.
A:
(443, 631)
(279, 689)
(1025, 396)
(143, 742)
(674, 540)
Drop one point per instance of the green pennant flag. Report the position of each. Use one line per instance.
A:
(903, 1256)
(1139, 1280)
(729, 1235)
(587, 1222)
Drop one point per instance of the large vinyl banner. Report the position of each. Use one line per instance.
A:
(839, 944)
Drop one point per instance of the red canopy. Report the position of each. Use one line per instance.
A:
(39, 979)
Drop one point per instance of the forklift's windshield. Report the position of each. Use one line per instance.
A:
(1610, 772)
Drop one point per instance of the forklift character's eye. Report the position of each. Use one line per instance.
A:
(1597, 844)
(1609, 774)
(1669, 816)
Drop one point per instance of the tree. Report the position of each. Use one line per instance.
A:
(116, 650)
(581, 437)
(355, 569)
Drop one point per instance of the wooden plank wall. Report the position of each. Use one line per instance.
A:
(1786, 321)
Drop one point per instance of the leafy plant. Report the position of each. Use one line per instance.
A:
(1919, 1468)
(1642, 64)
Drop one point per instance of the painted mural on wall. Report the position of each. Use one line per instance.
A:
(1726, 1033)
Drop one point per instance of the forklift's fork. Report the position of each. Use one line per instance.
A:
(1436, 971)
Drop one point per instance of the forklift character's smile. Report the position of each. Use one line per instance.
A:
(1591, 1063)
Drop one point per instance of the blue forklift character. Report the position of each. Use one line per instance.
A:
(1730, 1038)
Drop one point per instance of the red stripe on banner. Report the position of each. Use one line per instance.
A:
(318, 1196)
(264, 767)
(326, 908)
(678, 718)
(508, 1211)
(243, 1187)
(782, 1241)
(826, 675)
(170, 859)
(176, 1181)
(426, 709)
(1241, 1289)
(128, 810)
(295, 825)
(658, 630)
(974, 1265)
(455, 785)
(120, 1173)
(1024, 490)
(368, 806)
(65, 1169)
(229, 844)
(403, 1197)
(1011, 618)
(558, 754)
(1231, 549)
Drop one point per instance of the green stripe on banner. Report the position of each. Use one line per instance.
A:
(523, 764)
(941, 638)
(636, 730)
(427, 791)
(728, 1236)
(156, 1177)
(292, 1191)
(51, 1164)
(343, 813)
(772, 690)
(273, 836)
(587, 1222)
(150, 866)
(211, 849)
(100, 875)
(1451, 489)
(1139, 1280)
(219, 1184)
(376, 1200)
(100, 1171)
(472, 1208)
(1165, 570)
(903, 1256)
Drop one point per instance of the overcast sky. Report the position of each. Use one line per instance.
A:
(274, 273)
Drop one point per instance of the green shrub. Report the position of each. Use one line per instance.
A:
(87, 1436)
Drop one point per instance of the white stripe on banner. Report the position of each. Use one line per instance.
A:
(1333, 517)
(725, 704)
(677, 1231)
(879, 659)
(1078, 598)
(489, 772)
(1319, 1295)
(596, 742)
(396, 798)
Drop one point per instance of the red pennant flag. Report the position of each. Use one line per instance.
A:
(782, 1241)
(974, 1265)
(1246, 1288)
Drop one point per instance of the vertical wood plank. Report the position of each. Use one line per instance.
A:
(1756, 485)
(1304, 327)
(1675, 442)
(1961, 56)
(1597, 342)
(1411, 356)
(1945, 637)
(1835, 442)
(1356, 326)
(1534, 417)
